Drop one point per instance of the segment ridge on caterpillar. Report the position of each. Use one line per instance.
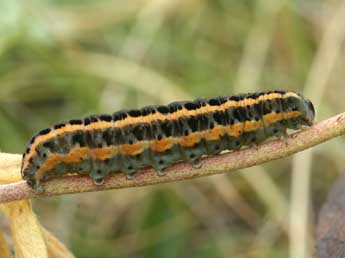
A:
(159, 136)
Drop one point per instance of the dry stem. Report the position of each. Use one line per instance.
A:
(276, 149)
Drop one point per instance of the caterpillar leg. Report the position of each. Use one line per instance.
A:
(97, 177)
(254, 145)
(193, 154)
(197, 164)
(161, 172)
(39, 188)
(99, 172)
(98, 181)
(130, 176)
(35, 181)
(284, 137)
(161, 161)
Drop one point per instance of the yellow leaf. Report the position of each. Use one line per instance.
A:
(10, 168)
(55, 248)
(26, 232)
(4, 251)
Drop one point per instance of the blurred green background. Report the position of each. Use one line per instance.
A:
(67, 59)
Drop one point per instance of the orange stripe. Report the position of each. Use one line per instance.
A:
(102, 153)
(252, 125)
(214, 134)
(163, 145)
(74, 156)
(190, 140)
(234, 130)
(132, 149)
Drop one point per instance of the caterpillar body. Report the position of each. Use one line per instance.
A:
(159, 136)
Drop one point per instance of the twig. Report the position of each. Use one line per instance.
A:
(272, 150)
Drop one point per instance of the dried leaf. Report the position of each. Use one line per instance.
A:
(27, 237)
(55, 248)
(4, 251)
(10, 168)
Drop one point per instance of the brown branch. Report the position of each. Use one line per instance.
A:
(272, 150)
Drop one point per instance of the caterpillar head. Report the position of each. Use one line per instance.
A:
(308, 110)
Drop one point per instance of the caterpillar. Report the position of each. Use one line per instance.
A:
(159, 136)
